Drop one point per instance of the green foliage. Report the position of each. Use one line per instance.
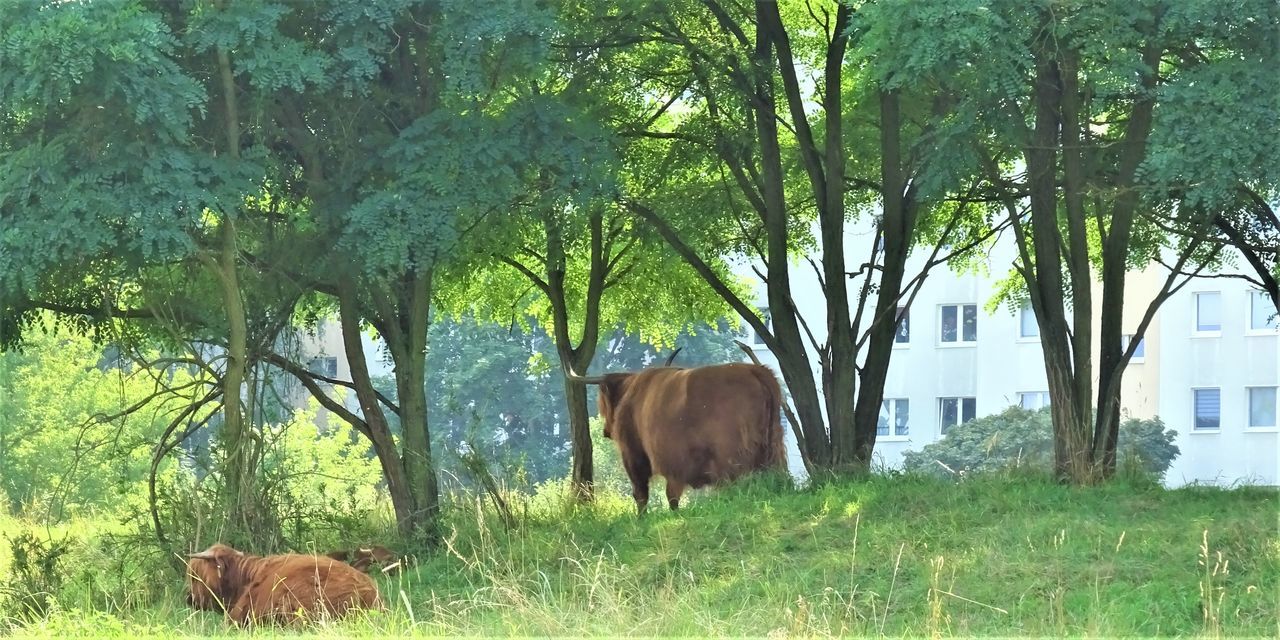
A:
(1018, 438)
(610, 477)
(325, 483)
(317, 487)
(64, 451)
(1201, 142)
(92, 161)
(488, 398)
(36, 573)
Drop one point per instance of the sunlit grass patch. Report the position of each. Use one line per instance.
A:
(905, 556)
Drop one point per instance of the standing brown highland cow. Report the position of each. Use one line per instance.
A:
(694, 427)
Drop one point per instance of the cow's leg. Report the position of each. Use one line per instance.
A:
(640, 491)
(639, 470)
(242, 613)
(674, 491)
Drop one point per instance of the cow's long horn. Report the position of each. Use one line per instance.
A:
(672, 358)
(203, 555)
(569, 373)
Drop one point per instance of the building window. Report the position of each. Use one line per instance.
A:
(1208, 409)
(326, 366)
(756, 338)
(959, 324)
(1262, 312)
(1033, 400)
(1027, 325)
(893, 411)
(903, 334)
(1209, 312)
(1139, 352)
(954, 411)
(1262, 407)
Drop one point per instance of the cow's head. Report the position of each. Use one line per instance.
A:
(612, 386)
(211, 576)
(373, 555)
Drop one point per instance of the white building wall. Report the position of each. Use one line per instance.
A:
(1232, 360)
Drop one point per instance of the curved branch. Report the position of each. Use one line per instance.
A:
(163, 448)
(528, 273)
(311, 382)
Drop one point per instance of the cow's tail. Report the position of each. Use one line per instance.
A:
(773, 446)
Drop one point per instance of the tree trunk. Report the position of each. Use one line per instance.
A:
(789, 349)
(238, 477)
(1111, 360)
(411, 373)
(897, 229)
(583, 474)
(379, 432)
(1115, 259)
(577, 359)
(1069, 383)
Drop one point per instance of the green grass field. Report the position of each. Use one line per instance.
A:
(905, 556)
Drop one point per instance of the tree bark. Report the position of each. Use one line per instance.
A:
(236, 471)
(791, 354)
(582, 475)
(410, 356)
(1043, 273)
(579, 358)
(1115, 259)
(238, 475)
(897, 230)
(408, 518)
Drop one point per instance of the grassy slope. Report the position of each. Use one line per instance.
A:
(907, 556)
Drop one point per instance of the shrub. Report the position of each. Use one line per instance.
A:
(317, 487)
(1021, 438)
(35, 576)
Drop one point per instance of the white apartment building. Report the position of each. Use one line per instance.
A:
(1209, 365)
(323, 354)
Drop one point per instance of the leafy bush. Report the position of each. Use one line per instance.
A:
(317, 487)
(65, 450)
(1021, 438)
(320, 480)
(35, 576)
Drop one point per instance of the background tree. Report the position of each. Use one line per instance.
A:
(68, 447)
(578, 263)
(735, 157)
(326, 153)
(453, 147)
(494, 398)
(1091, 100)
(123, 162)
(580, 272)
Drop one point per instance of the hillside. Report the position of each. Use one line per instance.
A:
(895, 556)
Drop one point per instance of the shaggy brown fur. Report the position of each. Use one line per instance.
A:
(363, 557)
(694, 427)
(284, 588)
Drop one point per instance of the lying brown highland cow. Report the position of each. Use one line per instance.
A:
(285, 588)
